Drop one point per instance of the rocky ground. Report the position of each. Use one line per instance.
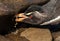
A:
(30, 34)
(10, 7)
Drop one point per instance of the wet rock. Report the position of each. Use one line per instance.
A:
(30, 34)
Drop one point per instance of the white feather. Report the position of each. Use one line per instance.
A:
(51, 21)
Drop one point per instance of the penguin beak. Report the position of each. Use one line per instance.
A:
(20, 17)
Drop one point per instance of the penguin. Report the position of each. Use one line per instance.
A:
(33, 15)
(42, 17)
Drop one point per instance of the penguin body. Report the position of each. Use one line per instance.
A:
(52, 18)
(38, 15)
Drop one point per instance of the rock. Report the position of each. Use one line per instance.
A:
(57, 39)
(15, 36)
(30, 34)
(56, 36)
(37, 34)
(16, 5)
(2, 38)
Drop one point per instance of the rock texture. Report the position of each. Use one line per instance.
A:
(36, 34)
(15, 36)
(30, 34)
(56, 36)
(2, 38)
(16, 5)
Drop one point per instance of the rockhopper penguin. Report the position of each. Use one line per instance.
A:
(35, 15)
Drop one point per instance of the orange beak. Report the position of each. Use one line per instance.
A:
(20, 17)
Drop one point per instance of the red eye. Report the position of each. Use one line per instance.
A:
(30, 16)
